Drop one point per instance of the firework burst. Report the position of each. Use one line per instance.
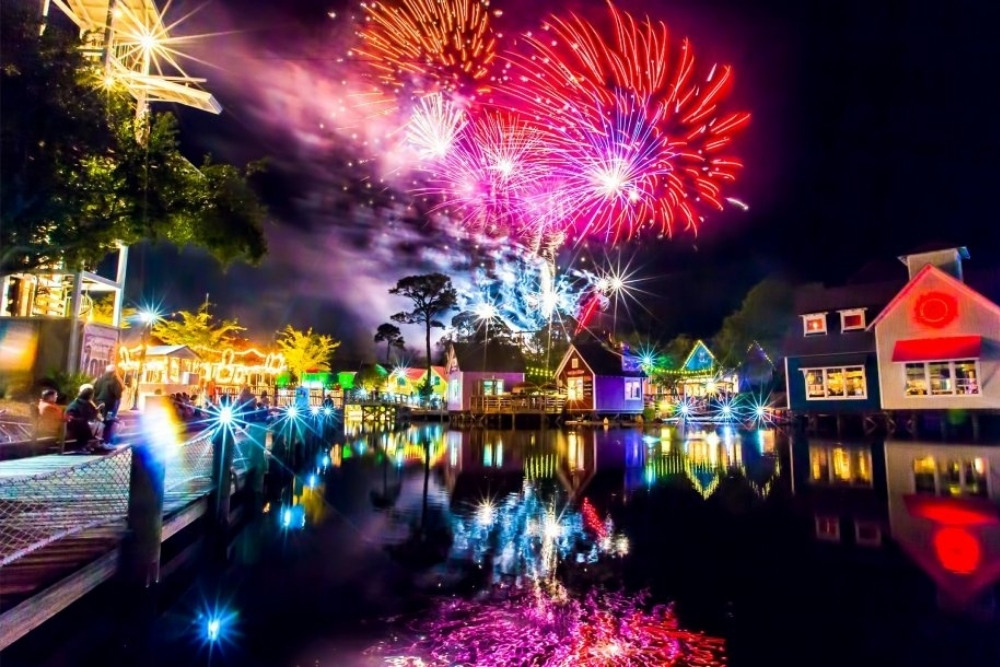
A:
(434, 127)
(419, 47)
(637, 138)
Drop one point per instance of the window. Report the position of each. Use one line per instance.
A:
(846, 382)
(574, 389)
(435, 380)
(923, 475)
(633, 390)
(828, 528)
(492, 387)
(852, 320)
(840, 465)
(814, 324)
(574, 363)
(454, 387)
(867, 533)
(942, 378)
(400, 381)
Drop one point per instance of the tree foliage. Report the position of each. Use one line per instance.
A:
(81, 173)
(197, 330)
(762, 317)
(431, 295)
(306, 351)
(102, 311)
(392, 337)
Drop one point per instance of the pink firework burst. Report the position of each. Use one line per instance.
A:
(638, 138)
(489, 179)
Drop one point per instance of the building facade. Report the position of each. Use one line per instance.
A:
(599, 379)
(938, 340)
(831, 364)
(476, 370)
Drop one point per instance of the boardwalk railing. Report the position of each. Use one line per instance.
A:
(518, 404)
(39, 509)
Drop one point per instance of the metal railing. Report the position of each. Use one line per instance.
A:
(40, 509)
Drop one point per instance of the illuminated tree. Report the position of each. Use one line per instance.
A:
(199, 330)
(391, 336)
(431, 296)
(103, 312)
(306, 351)
(81, 177)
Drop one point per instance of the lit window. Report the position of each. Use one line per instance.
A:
(844, 382)
(574, 363)
(867, 533)
(852, 320)
(924, 475)
(942, 378)
(633, 390)
(828, 528)
(819, 464)
(454, 389)
(963, 478)
(814, 324)
(574, 389)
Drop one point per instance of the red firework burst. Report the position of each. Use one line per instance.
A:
(638, 138)
(428, 46)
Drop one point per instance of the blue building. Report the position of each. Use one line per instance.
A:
(831, 366)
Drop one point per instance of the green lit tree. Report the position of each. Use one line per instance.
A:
(82, 174)
(305, 351)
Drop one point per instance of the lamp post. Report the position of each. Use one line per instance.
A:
(147, 317)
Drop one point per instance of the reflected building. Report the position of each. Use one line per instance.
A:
(841, 485)
(944, 509)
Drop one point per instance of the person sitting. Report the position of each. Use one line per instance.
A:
(50, 415)
(84, 419)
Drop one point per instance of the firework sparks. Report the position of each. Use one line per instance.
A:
(638, 144)
(428, 46)
(434, 126)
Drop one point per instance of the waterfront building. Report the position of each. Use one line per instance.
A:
(602, 380)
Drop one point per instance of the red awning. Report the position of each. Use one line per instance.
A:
(937, 349)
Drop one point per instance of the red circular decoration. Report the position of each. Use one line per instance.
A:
(936, 309)
(957, 550)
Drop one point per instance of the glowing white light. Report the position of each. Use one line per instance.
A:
(486, 311)
(213, 629)
(226, 415)
(327, 411)
(293, 412)
(148, 316)
(314, 410)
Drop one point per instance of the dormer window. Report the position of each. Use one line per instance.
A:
(852, 320)
(814, 324)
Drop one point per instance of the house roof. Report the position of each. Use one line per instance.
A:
(179, 351)
(601, 359)
(697, 358)
(493, 357)
(920, 277)
(416, 374)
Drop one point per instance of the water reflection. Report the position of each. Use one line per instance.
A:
(940, 503)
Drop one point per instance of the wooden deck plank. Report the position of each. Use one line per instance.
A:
(40, 465)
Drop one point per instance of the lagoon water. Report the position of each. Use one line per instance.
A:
(791, 553)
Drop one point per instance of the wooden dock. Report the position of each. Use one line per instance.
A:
(63, 520)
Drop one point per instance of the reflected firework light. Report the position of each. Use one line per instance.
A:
(551, 628)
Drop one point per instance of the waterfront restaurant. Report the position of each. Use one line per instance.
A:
(938, 340)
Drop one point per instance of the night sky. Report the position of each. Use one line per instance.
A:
(874, 133)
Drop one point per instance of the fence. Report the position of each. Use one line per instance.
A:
(40, 509)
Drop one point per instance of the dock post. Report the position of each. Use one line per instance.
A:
(140, 554)
(145, 517)
(258, 461)
(222, 482)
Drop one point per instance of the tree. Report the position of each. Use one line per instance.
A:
(431, 295)
(762, 317)
(677, 350)
(197, 330)
(82, 174)
(305, 351)
(391, 336)
(103, 312)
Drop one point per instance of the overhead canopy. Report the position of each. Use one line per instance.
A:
(938, 349)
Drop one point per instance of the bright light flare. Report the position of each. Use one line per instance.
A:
(434, 127)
